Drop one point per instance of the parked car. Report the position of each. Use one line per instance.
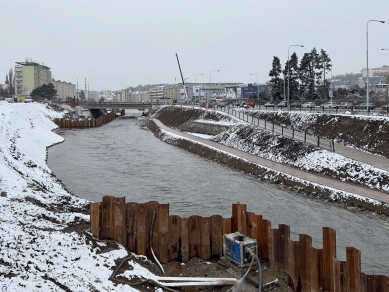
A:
(308, 104)
(223, 103)
(385, 107)
(269, 103)
(244, 105)
(282, 104)
(28, 99)
(363, 105)
(329, 104)
(345, 104)
(295, 104)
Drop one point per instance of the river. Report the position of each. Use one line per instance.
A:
(121, 159)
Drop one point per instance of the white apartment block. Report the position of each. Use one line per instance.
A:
(64, 89)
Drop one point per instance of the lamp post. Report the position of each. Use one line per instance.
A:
(196, 76)
(210, 74)
(367, 62)
(288, 72)
(257, 84)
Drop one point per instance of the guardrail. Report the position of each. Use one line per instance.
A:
(171, 237)
(318, 109)
(283, 131)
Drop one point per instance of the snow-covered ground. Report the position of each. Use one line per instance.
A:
(243, 136)
(38, 251)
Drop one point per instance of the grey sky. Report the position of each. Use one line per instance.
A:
(115, 44)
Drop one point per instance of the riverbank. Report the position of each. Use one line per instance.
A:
(44, 243)
(247, 138)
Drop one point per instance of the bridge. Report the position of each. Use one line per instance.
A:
(116, 105)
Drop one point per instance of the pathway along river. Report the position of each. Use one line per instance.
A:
(121, 159)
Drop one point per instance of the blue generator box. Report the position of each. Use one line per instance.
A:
(237, 247)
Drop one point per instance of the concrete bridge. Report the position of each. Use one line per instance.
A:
(116, 105)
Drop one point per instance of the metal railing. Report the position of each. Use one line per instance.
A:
(305, 137)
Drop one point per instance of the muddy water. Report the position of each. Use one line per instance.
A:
(121, 159)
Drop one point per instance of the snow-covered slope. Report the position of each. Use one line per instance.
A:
(38, 249)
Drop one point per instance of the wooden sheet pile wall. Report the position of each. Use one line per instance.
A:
(176, 238)
(87, 123)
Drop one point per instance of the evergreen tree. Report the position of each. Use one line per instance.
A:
(310, 74)
(293, 72)
(45, 90)
(277, 84)
(82, 95)
(325, 65)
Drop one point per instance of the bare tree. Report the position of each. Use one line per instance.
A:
(11, 86)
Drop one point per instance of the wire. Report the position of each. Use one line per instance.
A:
(244, 276)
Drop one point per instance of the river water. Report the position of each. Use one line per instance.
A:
(121, 159)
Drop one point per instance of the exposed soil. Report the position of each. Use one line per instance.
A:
(290, 148)
(349, 130)
(196, 267)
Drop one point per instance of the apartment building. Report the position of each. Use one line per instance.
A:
(64, 89)
(156, 93)
(30, 75)
(171, 92)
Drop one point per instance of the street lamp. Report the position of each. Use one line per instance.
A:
(288, 72)
(257, 84)
(367, 62)
(210, 74)
(196, 76)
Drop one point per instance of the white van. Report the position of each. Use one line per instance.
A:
(9, 99)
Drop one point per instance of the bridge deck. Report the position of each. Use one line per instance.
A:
(116, 105)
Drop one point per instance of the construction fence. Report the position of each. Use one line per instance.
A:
(176, 238)
(88, 123)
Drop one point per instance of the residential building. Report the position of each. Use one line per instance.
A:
(156, 93)
(171, 92)
(381, 89)
(376, 71)
(64, 89)
(30, 75)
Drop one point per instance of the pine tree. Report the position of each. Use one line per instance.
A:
(294, 83)
(276, 82)
(82, 95)
(310, 74)
(326, 65)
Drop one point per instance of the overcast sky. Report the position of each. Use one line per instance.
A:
(116, 44)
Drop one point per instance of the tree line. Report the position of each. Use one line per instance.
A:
(305, 80)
